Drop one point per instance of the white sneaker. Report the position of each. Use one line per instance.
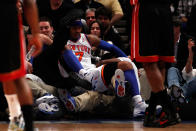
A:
(44, 98)
(17, 124)
(119, 83)
(139, 109)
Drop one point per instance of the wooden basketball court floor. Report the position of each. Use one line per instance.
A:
(103, 125)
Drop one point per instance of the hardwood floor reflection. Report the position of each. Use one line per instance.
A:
(106, 126)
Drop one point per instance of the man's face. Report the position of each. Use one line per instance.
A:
(105, 21)
(75, 32)
(176, 33)
(90, 17)
(46, 28)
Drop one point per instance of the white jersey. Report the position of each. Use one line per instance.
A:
(82, 49)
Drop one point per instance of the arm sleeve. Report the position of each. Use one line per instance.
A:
(112, 48)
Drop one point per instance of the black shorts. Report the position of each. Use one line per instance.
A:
(153, 33)
(12, 50)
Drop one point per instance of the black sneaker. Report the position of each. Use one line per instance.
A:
(177, 94)
(168, 118)
(150, 118)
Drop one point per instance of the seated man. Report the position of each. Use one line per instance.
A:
(122, 68)
(183, 85)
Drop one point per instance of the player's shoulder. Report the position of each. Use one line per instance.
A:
(91, 36)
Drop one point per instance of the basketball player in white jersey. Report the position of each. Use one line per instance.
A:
(122, 69)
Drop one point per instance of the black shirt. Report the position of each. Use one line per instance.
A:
(44, 9)
(84, 6)
(113, 36)
(45, 65)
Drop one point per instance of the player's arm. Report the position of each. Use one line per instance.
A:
(107, 61)
(31, 15)
(95, 41)
(46, 39)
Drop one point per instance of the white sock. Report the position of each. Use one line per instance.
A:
(13, 105)
(136, 99)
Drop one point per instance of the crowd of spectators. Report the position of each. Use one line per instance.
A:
(51, 89)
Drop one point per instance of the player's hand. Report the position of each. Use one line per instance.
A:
(29, 68)
(46, 39)
(36, 42)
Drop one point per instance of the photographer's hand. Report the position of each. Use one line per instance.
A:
(191, 45)
(189, 62)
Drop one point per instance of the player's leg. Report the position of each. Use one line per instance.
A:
(124, 71)
(71, 60)
(15, 114)
(155, 80)
(170, 110)
(154, 76)
(73, 63)
(26, 101)
(131, 76)
(159, 94)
